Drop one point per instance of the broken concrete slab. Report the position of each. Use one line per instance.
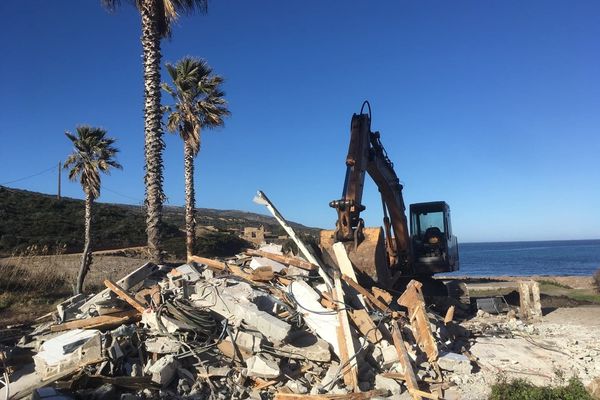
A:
(454, 362)
(247, 341)
(68, 352)
(162, 345)
(322, 321)
(126, 283)
(163, 370)
(258, 262)
(262, 367)
(171, 325)
(391, 385)
(304, 345)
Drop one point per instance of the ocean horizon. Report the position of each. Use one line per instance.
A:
(550, 257)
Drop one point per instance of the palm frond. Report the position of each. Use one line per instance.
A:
(198, 99)
(93, 153)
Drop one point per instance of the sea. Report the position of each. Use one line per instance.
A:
(564, 257)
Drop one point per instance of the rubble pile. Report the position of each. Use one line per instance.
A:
(262, 325)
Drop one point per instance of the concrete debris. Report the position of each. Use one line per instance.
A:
(262, 367)
(260, 325)
(163, 371)
(387, 384)
(457, 363)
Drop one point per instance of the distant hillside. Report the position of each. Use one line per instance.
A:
(31, 218)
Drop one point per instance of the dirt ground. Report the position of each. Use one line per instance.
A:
(31, 286)
(565, 343)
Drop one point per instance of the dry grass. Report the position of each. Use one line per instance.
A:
(32, 284)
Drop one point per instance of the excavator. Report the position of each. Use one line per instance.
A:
(386, 256)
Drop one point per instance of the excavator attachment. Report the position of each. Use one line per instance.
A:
(368, 256)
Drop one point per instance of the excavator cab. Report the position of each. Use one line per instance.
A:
(434, 247)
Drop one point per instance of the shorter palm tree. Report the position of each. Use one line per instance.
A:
(93, 153)
(199, 103)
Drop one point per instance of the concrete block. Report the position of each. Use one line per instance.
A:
(304, 345)
(391, 385)
(247, 341)
(257, 262)
(163, 370)
(454, 362)
(319, 319)
(389, 355)
(261, 367)
(67, 352)
(162, 345)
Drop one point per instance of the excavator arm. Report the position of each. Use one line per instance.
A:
(366, 154)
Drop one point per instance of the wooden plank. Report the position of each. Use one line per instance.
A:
(103, 321)
(263, 384)
(212, 264)
(422, 393)
(296, 262)
(372, 299)
(263, 274)
(365, 325)
(344, 263)
(124, 295)
(382, 295)
(127, 282)
(347, 396)
(449, 315)
(262, 198)
(409, 373)
(413, 300)
(394, 375)
(360, 317)
(344, 334)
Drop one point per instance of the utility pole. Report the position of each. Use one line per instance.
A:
(59, 165)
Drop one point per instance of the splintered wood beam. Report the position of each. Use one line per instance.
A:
(413, 300)
(261, 274)
(124, 295)
(210, 263)
(409, 373)
(422, 393)
(344, 334)
(347, 396)
(365, 325)
(103, 321)
(296, 262)
(449, 315)
(382, 295)
(372, 299)
(262, 198)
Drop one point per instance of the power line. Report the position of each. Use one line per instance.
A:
(29, 176)
(122, 195)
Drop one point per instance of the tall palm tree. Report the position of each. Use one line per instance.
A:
(157, 17)
(199, 103)
(93, 153)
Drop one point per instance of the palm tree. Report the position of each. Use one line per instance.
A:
(157, 17)
(93, 153)
(199, 103)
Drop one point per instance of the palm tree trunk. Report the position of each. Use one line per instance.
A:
(190, 201)
(154, 143)
(86, 258)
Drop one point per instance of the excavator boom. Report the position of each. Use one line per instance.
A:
(365, 246)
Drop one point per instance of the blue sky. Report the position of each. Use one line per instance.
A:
(489, 105)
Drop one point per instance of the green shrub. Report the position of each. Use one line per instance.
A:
(220, 244)
(553, 283)
(521, 389)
